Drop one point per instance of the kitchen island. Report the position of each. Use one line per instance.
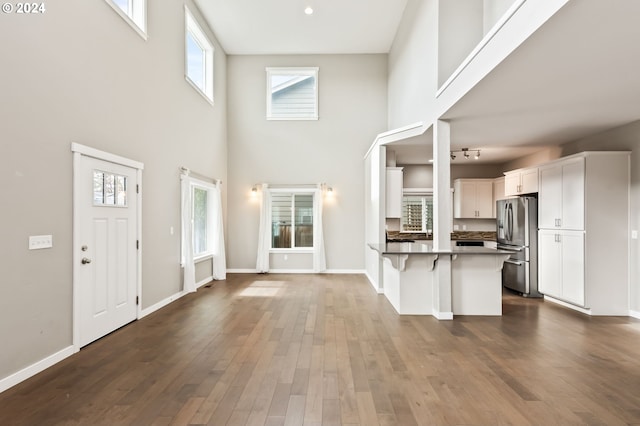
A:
(411, 284)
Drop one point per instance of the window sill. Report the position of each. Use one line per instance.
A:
(199, 90)
(132, 23)
(308, 250)
(202, 258)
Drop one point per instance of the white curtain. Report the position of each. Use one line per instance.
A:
(264, 232)
(319, 260)
(189, 270)
(216, 236)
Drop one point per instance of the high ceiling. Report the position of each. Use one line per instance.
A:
(250, 27)
(576, 76)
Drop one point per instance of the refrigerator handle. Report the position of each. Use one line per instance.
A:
(510, 222)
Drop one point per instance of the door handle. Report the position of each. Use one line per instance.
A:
(85, 260)
(514, 262)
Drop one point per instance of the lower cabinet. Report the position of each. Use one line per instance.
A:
(561, 265)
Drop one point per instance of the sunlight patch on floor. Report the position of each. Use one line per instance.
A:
(263, 289)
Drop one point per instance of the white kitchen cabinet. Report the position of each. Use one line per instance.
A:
(394, 192)
(473, 199)
(583, 238)
(561, 196)
(521, 181)
(562, 254)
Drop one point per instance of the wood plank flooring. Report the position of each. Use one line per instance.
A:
(327, 350)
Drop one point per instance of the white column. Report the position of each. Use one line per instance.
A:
(442, 211)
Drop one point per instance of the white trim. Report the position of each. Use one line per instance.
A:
(291, 271)
(344, 271)
(106, 156)
(294, 271)
(442, 316)
(161, 304)
(485, 40)
(634, 314)
(35, 368)
(567, 305)
(204, 281)
(140, 8)
(401, 133)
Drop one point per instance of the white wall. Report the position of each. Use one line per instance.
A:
(413, 65)
(413, 59)
(79, 73)
(352, 108)
(460, 29)
(493, 10)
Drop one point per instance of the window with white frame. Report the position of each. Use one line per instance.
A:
(200, 222)
(198, 57)
(134, 12)
(292, 93)
(292, 220)
(417, 213)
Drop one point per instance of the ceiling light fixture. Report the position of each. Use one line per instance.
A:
(465, 153)
(309, 10)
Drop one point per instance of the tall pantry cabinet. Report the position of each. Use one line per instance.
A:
(583, 220)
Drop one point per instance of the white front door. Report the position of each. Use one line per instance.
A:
(106, 205)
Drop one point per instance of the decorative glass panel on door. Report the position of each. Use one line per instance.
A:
(109, 190)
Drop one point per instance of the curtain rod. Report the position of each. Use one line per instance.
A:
(188, 172)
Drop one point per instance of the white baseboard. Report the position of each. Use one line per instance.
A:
(443, 315)
(378, 290)
(35, 368)
(634, 314)
(296, 271)
(567, 305)
(161, 304)
(205, 281)
(345, 271)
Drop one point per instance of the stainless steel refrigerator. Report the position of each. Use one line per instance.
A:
(517, 229)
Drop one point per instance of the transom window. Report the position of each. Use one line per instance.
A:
(198, 57)
(134, 12)
(292, 93)
(291, 220)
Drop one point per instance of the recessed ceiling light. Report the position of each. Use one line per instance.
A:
(308, 10)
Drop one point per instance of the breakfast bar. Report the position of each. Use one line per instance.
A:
(410, 279)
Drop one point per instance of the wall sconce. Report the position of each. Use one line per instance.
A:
(465, 153)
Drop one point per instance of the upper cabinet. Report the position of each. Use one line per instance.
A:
(498, 193)
(473, 199)
(561, 197)
(521, 181)
(394, 192)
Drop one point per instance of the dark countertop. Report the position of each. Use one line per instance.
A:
(396, 236)
(427, 248)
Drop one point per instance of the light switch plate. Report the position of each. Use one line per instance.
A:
(634, 234)
(37, 242)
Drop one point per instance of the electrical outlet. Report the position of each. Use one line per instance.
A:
(37, 242)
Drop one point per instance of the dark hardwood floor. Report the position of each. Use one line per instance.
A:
(325, 349)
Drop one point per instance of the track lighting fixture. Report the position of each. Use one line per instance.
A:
(465, 153)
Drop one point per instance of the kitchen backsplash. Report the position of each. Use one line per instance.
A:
(456, 236)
